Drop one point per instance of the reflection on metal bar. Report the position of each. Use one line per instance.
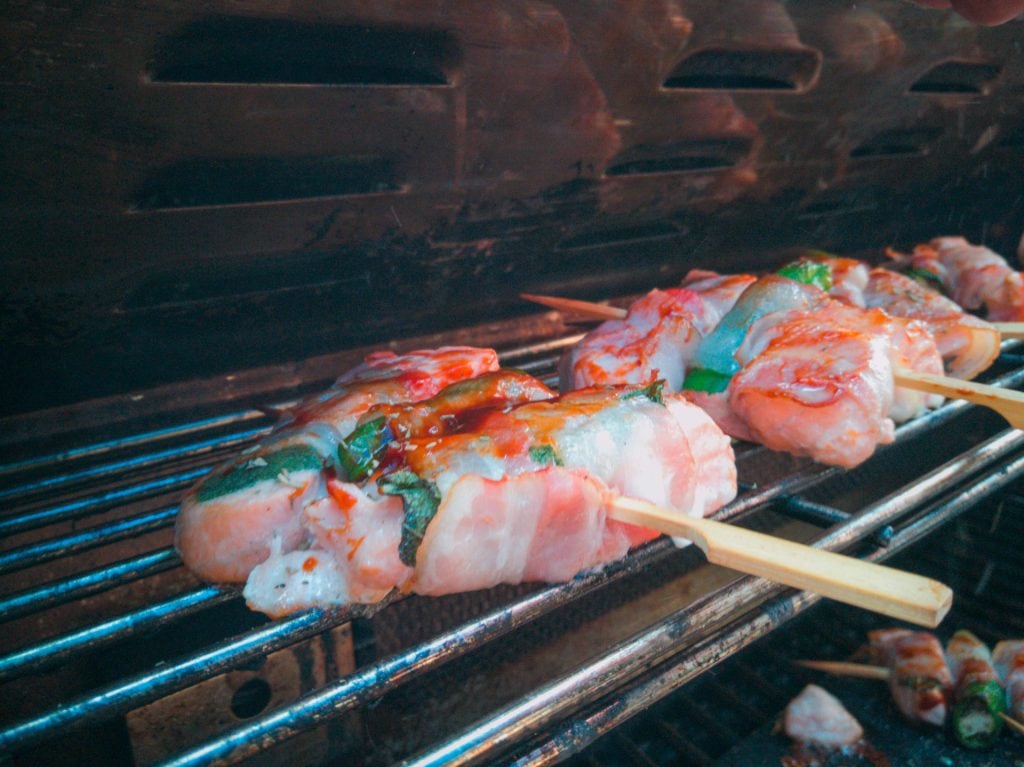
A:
(45, 654)
(277, 726)
(574, 735)
(76, 509)
(78, 586)
(131, 464)
(99, 448)
(165, 679)
(548, 703)
(54, 548)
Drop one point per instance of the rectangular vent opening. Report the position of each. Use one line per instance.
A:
(730, 69)
(230, 49)
(897, 143)
(680, 157)
(957, 77)
(246, 180)
(656, 230)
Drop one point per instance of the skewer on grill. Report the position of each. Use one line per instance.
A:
(1007, 402)
(864, 584)
(1009, 329)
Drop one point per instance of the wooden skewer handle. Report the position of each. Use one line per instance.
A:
(588, 308)
(1007, 402)
(1010, 329)
(864, 584)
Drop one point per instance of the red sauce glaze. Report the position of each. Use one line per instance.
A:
(309, 565)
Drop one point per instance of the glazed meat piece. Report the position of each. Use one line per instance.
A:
(1009, 661)
(968, 344)
(974, 276)
(820, 382)
(499, 495)
(653, 342)
(229, 520)
(978, 696)
(919, 678)
(816, 716)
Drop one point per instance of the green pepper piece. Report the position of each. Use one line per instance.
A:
(421, 499)
(926, 278)
(809, 273)
(359, 452)
(703, 379)
(976, 716)
(545, 454)
(258, 468)
(654, 391)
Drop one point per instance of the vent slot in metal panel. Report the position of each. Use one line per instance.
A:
(957, 77)
(229, 49)
(727, 69)
(897, 143)
(679, 157)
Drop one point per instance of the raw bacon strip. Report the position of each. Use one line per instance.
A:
(1009, 660)
(919, 679)
(228, 521)
(502, 495)
(974, 276)
(968, 345)
(978, 696)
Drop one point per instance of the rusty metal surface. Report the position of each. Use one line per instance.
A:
(198, 188)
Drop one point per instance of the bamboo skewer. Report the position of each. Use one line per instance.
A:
(845, 668)
(1007, 402)
(586, 308)
(1010, 329)
(1012, 723)
(885, 590)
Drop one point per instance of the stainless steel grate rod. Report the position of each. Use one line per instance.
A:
(81, 585)
(65, 545)
(573, 736)
(49, 484)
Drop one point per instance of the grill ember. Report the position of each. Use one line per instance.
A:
(229, 209)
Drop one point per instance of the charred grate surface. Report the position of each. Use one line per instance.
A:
(702, 724)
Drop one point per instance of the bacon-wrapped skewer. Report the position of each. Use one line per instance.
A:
(491, 480)
(228, 521)
(919, 678)
(979, 699)
(972, 275)
(1009, 661)
(786, 365)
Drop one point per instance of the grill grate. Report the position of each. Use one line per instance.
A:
(124, 490)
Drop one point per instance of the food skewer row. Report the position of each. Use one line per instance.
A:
(491, 480)
(969, 691)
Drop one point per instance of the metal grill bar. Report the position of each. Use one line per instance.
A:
(55, 548)
(510, 725)
(132, 441)
(92, 582)
(576, 734)
(103, 502)
(45, 654)
(230, 441)
(557, 699)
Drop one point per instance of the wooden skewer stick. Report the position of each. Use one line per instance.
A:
(587, 308)
(1007, 402)
(1012, 723)
(1010, 329)
(874, 587)
(844, 668)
